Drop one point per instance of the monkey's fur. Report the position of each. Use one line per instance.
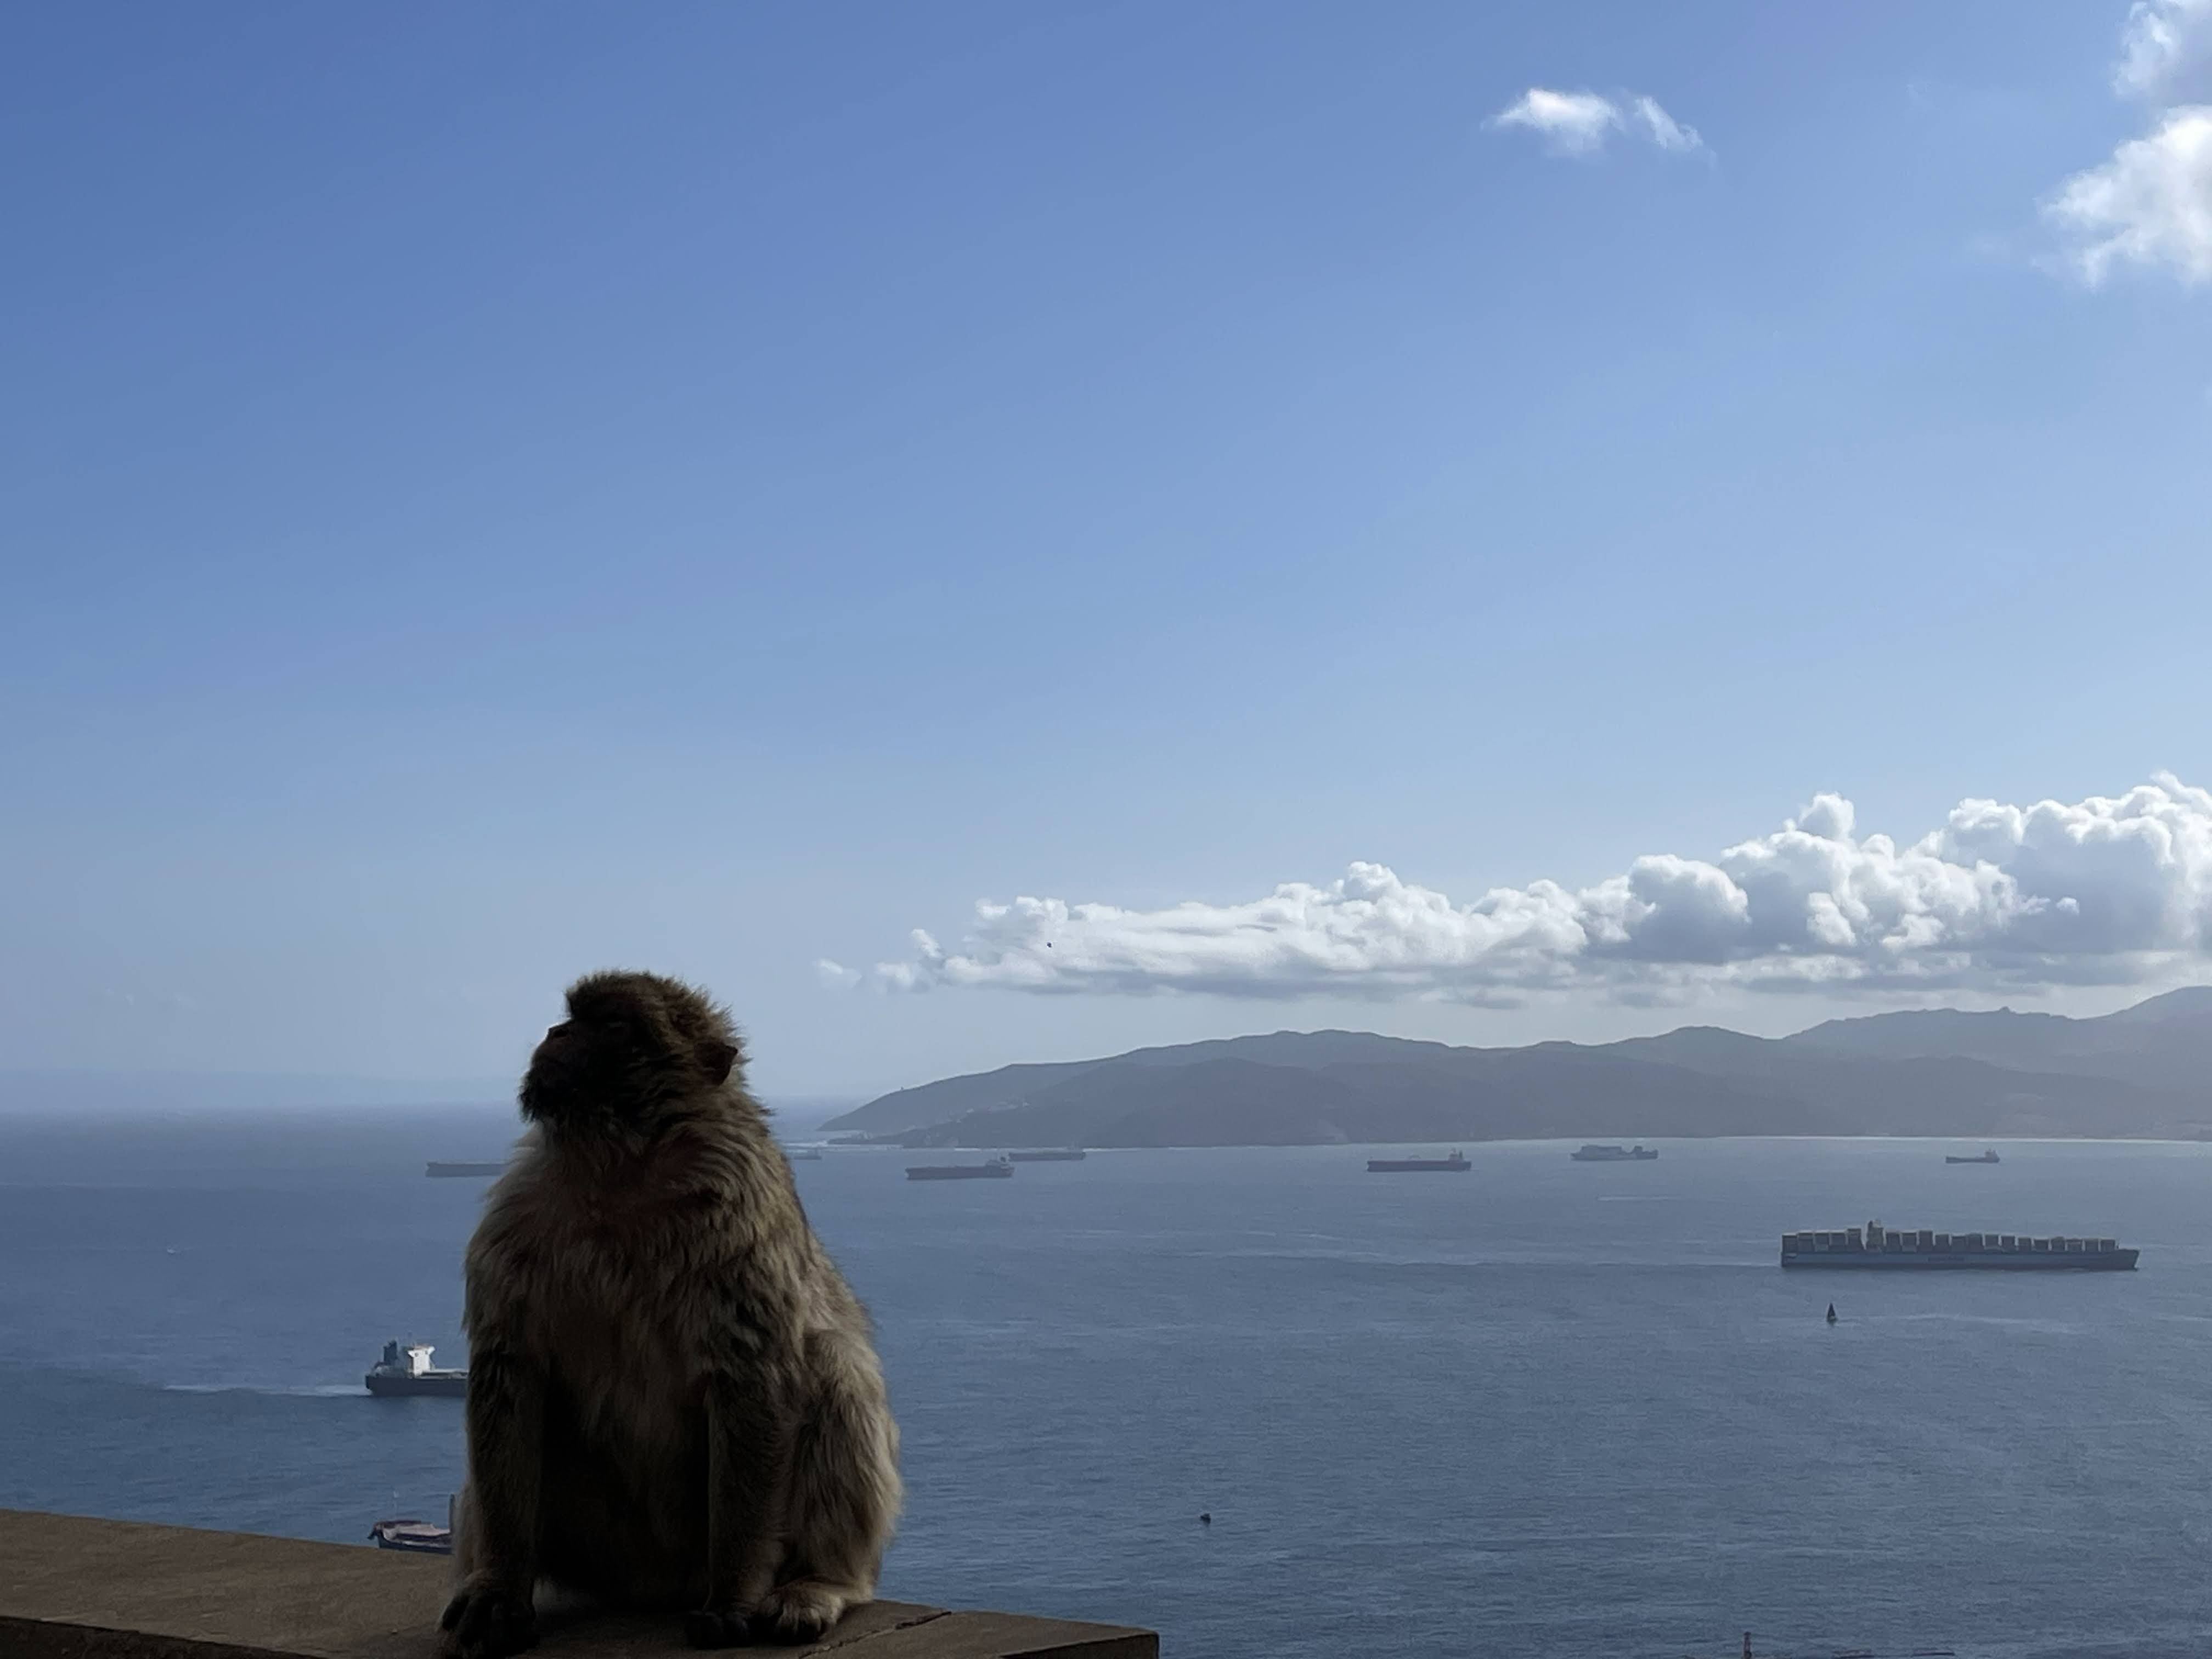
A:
(674, 1403)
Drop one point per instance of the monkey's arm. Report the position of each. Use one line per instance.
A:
(491, 1615)
(751, 1401)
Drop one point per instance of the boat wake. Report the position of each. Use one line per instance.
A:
(1946, 1316)
(297, 1391)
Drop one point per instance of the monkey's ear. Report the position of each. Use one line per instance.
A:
(718, 1058)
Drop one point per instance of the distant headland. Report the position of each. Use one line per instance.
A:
(2145, 1071)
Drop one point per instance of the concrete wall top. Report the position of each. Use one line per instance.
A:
(76, 1588)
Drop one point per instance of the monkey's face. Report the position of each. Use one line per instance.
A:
(632, 1055)
(575, 1071)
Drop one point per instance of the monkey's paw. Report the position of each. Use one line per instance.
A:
(798, 1612)
(713, 1627)
(487, 1621)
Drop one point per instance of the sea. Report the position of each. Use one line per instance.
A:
(1542, 1407)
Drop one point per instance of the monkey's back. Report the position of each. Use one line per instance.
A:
(629, 1286)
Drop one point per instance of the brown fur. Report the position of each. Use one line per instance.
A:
(674, 1403)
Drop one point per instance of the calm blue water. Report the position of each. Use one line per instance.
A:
(1542, 1407)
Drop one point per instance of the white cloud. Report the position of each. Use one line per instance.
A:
(1573, 123)
(1579, 122)
(1662, 129)
(2166, 52)
(2151, 205)
(2105, 891)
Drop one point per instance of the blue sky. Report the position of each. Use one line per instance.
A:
(494, 493)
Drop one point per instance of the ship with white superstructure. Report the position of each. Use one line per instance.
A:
(411, 1373)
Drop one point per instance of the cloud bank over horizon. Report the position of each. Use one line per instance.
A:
(2102, 891)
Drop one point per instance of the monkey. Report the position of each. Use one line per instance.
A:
(674, 1399)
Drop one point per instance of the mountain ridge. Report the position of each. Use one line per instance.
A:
(2145, 1071)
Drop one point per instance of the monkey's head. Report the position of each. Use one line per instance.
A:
(636, 1053)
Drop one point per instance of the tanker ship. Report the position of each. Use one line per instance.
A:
(413, 1373)
(1457, 1162)
(997, 1169)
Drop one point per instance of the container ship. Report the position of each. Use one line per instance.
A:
(1876, 1247)
(1596, 1154)
(1989, 1157)
(997, 1169)
(1408, 1165)
(413, 1373)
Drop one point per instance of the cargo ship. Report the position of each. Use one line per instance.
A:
(1596, 1154)
(1051, 1155)
(997, 1169)
(451, 1169)
(1406, 1165)
(1989, 1157)
(413, 1373)
(1876, 1247)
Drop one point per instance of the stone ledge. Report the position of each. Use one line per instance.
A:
(76, 1588)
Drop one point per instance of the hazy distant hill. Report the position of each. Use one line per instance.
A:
(2146, 1071)
(85, 1093)
(98, 1093)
